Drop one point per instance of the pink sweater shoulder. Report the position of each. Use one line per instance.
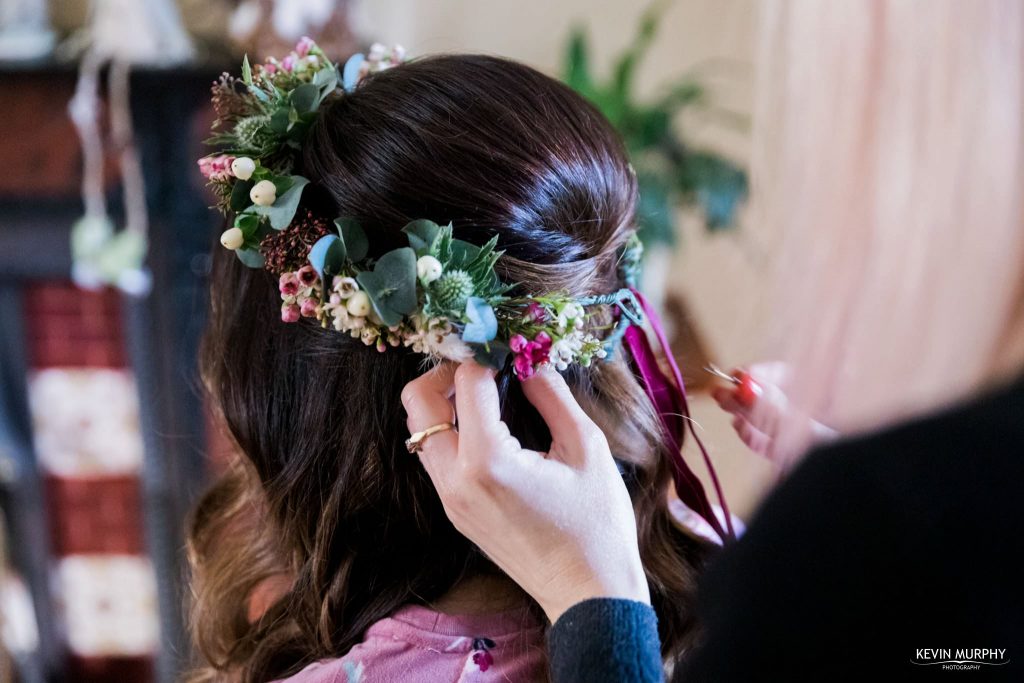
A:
(419, 644)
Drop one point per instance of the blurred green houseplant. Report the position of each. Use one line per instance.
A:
(669, 172)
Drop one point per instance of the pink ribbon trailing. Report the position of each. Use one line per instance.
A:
(668, 395)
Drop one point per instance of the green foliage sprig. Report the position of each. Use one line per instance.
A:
(669, 172)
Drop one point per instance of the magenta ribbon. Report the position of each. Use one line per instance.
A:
(668, 396)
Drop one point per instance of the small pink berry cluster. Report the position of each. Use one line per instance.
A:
(300, 298)
(297, 61)
(217, 167)
(380, 58)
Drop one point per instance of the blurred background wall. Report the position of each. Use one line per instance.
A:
(104, 435)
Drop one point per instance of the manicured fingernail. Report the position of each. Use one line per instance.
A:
(747, 390)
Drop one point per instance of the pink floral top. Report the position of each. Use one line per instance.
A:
(419, 644)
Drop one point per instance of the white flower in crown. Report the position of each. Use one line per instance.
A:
(335, 309)
(453, 348)
(419, 328)
(345, 286)
(436, 337)
(570, 313)
(564, 351)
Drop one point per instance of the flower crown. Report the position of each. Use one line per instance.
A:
(440, 296)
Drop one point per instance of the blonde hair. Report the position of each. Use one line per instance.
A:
(889, 168)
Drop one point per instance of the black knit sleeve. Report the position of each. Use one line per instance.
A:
(606, 640)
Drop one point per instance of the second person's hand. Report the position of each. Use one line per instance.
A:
(560, 523)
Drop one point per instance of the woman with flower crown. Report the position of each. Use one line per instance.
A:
(387, 221)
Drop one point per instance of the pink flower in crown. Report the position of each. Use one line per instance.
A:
(217, 167)
(269, 69)
(288, 63)
(308, 308)
(290, 313)
(540, 347)
(523, 366)
(304, 45)
(535, 313)
(288, 284)
(307, 276)
(529, 354)
(517, 343)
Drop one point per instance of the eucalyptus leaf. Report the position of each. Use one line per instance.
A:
(391, 285)
(305, 98)
(298, 129)
(282, 211)
(240, 195)
(494, 355)
(279, 121)
(350, 73)
(422, 235)
(250, 257)
(326, 80)
(352, 234)
(282, 184)
(327, 257)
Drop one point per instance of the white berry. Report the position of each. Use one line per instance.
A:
(263, 193)
(358, 304)
(243, 167)
(428, 269)
(232, 238)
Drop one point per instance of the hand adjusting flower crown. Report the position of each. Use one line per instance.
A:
(439, 295)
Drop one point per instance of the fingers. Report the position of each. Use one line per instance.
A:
(477, 404)
(726, 399)
(427, 403)
(755, 439)
(763, 414)
(566, 421)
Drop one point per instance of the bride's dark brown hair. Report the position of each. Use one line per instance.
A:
(324, 492)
